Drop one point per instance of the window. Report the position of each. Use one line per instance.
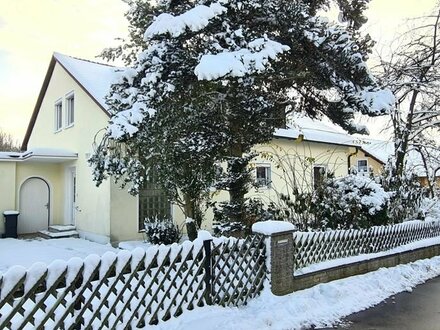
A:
(153, 202)
(362, 166)
(318, 175)
(262, 174)
(58, 116)
(70, 110)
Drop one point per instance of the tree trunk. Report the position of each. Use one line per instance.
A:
(190, 221)
(401, 148)
(237, 189)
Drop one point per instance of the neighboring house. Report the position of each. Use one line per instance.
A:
(51, 182)
(382, 150)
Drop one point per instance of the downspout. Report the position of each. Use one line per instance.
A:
(349, 158)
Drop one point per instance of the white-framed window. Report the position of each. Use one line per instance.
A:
(58, 115)
(263, 175)
(70, 109)
(319, 172)
(362, 166)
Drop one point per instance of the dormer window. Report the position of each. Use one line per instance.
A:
(70, 110)
(58, 116)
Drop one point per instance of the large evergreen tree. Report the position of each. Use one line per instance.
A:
(217, 77)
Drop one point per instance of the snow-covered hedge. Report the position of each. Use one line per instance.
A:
(354, 201)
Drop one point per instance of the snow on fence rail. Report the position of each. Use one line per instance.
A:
(314, 247)
(131, 289)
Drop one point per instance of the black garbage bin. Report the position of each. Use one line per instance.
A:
(11, 218)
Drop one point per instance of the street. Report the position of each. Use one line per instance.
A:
(416, 310)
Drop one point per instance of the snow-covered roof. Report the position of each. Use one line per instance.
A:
(95, 78)
(379, 149)
(315, 131)
(39, 155)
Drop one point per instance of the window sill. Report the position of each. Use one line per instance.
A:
(58, 130)
(268, 187)
(69, 126)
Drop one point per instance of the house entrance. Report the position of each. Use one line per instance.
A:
(34, 206)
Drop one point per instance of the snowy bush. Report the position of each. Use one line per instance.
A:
(350, 202)
(254, 211)
(161, 231)
(430, 208)
(406, 195)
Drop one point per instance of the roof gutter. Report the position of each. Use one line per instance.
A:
(349, 158)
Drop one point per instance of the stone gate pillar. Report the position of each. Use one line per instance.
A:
(280, 263)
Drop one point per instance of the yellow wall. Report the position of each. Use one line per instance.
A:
(7, 189)
(124, 215)
(295, 158)
(373, 163)
(93, 203)
(292, 163)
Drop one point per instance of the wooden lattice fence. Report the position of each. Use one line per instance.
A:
(314, 247)
(131, 289)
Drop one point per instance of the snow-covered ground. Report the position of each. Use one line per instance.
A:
(27, 252)
(319, 306)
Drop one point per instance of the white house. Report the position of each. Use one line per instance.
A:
(51, 183)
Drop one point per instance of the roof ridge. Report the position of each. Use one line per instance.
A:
(86, 60)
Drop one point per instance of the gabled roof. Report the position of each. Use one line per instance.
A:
(94, 78)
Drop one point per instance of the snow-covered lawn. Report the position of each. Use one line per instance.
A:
(319, 306)
(27, 252)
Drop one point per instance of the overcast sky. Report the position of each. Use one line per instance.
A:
(31, 30)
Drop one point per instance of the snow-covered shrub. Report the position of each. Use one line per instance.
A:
(161, 231)
(430, 208)
(295, 207)
(224, 225)
(353, 201)
(406, 195)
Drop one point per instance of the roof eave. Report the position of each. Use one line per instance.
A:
(38, 104)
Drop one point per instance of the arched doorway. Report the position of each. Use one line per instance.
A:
(34, 206)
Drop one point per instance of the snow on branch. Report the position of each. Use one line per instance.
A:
(125, 122)
(195, 19)
(378, 102)
(241, 62)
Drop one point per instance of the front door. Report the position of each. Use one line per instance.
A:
(34, 206)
